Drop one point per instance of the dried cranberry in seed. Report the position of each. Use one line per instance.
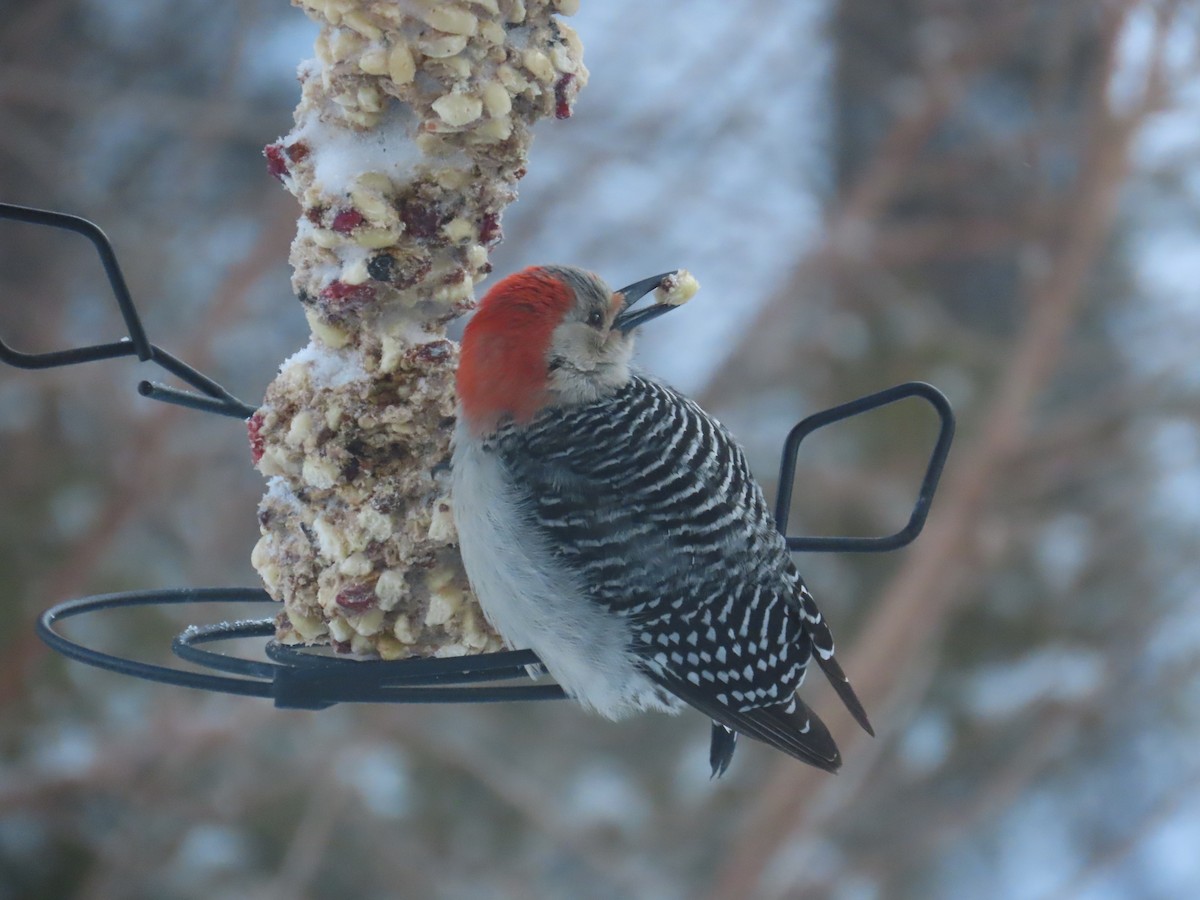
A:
(489, 228)
(276, 164)
(342, 646)
(297, 151)
(254, 430)
(339, 291)
(347, 220)
(562, 105)
(420, 220)
(313, 214)
(357, 598)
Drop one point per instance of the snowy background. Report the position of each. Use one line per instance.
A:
(1002, 199)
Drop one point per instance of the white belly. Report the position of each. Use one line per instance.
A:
(533, 602)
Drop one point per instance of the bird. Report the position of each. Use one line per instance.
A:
(610, 525)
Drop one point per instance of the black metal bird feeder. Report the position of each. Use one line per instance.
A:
(312, 678)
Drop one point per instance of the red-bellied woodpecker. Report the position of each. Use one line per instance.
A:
(613, 527)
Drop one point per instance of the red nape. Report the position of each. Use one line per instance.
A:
(502, 370)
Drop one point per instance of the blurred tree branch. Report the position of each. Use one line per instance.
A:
(910, 612)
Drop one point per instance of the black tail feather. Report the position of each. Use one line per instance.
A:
(841, 684)
(799, 733)
(796, 730)
(720, 749)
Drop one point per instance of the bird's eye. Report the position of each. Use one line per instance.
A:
(595, 318)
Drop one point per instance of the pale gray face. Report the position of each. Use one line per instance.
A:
(588, 358)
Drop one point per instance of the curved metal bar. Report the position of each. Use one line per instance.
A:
(185, 646)
(929, 483)
(231, 407)
(213, 397)
(55, 358)
(199, 680)
(108, 259)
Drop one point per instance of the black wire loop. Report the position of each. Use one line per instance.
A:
(213, 398)
(929, 483)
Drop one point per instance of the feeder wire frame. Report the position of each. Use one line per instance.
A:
(304, 678)
(213, 398)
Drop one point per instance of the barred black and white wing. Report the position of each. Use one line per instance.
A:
(650, 504)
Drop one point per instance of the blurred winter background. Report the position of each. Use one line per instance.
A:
(1000, 198)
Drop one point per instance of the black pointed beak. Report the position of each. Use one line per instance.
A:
(628, 318)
